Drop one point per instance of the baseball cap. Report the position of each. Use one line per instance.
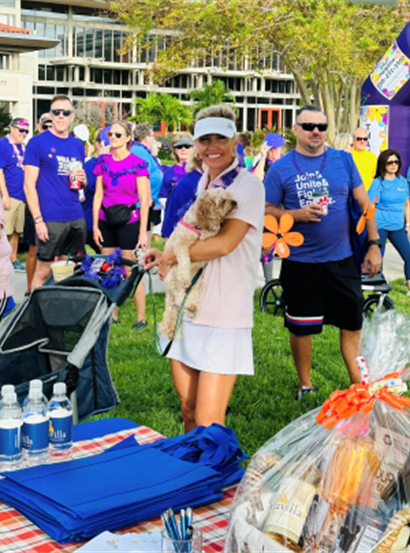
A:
(215, 125)
(45, 118)
(19, 122)
(183, 141)
(274, 140)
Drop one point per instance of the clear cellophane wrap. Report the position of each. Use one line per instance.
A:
(337, 479)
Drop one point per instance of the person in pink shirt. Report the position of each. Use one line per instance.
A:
(216, 345)
(6, 268)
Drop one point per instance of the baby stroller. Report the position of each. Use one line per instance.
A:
(60, 333)
(271, 297)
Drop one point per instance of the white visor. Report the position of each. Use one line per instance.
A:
(215, 125)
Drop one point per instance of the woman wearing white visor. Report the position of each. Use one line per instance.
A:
(216, 346)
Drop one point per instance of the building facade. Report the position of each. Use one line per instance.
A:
(87, 66)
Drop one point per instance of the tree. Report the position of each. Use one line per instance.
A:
(161, 107)
(210, 95)
(5, 119)
(330, 46)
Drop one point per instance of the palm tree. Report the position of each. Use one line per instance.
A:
(210, 95)
(147, 109)
(161, 107)
(5, 119)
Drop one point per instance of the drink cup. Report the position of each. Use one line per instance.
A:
(194, 545)
(62, 270)
(75, 184)
(320, 197)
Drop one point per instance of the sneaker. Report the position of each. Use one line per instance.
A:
(408, 292)
(19, 267)
(305, 391)
(139, 325)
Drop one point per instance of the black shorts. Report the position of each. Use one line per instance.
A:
(124, 236)
(29, 228)
(154, 217)
(65, 237)
(321, 293)
(90, 241)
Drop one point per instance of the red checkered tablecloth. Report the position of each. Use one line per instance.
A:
(19, 535)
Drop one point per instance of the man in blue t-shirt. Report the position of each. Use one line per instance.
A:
(52, 167)
(12, 184)
(320, 280)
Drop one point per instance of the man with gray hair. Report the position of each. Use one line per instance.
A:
(366, 161)
(144, 139)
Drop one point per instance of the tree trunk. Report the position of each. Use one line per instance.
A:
(302, 88)
(354, 106)
(328, 104)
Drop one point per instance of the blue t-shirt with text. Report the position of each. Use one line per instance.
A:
(13, 174)
(392, 195)
(290, 182)
(53, 156)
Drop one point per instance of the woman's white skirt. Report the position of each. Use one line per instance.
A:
(212, 349)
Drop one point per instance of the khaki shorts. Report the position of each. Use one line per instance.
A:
(15, 217)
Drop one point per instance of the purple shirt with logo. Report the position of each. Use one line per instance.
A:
(120, 181)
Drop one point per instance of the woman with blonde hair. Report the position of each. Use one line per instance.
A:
(343, 141)
(216, 346)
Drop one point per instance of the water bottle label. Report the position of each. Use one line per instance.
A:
(10, 441)
(35, 436)
(61, 430)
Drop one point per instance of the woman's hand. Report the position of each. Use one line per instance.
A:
(6, 202)
(168, 260)
(142, 241)
(98, 238)
(151, 259)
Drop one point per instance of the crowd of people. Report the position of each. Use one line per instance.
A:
(62, 200)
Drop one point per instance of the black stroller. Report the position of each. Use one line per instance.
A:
(60, 333)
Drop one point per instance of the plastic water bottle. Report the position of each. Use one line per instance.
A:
(35, 384)
(11, 421)
(60, 412)
(5, 389)
(35, 428)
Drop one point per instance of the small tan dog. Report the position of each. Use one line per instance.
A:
(202, 220)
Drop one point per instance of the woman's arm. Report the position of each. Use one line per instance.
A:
(407, 216)
(143, 190)
(98, 196)
(233, 231)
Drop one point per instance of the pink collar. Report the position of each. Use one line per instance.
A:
(184, 224)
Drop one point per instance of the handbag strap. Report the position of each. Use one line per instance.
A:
(180, 314)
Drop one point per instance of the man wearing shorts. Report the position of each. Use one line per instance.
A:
(56, 208)
(320, 279)
(12, 184)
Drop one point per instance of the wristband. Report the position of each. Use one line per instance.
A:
(407, 224)
(5, 194)
(38, 217)
(38, 222)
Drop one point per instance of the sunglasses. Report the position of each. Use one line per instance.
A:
(65, 112)
(309, 127)
(25, 131)
(46, 127)
(182, 147)
(361, 139)
(115, 134)
(393, 162)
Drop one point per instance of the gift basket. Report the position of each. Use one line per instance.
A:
(338, 478)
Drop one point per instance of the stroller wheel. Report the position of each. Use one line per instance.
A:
(372, 302)
(271, 300)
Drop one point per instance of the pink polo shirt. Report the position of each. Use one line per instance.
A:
(230, 281)
(6, 266)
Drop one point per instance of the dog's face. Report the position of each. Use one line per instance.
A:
(212, 207)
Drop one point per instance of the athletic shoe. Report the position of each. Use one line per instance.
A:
(19, 267)
(140, 325)
(305, 391)
(408, 292)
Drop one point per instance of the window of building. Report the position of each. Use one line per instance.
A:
(29, 25)
(79, 41)
(93, 92)
(108, 45)
(112, 93)
(281, 87)
(41, 72)
(126, 77)
(50, 73)
(127, 94)
(107, 76)
(117, 45)
(62, 91)
(60, 74)
(38, 10)
(89, 43)
(46, 90)
(62, 49)
(8, 3)
(288, 87)
(81, 74)
(97, 76)
(116, 77)
(98, 51)
(78, 92)
(288, 119)
(7, 19)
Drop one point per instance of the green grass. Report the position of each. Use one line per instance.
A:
(260, 405)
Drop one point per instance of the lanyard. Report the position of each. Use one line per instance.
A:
(321, 168)
(19, 155)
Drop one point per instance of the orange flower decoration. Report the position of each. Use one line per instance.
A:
(368, 213)
(278, 236)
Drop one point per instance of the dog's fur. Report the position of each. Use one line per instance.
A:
(206, 214)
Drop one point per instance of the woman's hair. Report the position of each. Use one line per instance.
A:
(221, 110)
(175, 137)
(128, 131)
(342, 141)
(244, 140)
(382, 161)
(194, 162)
(141, 131)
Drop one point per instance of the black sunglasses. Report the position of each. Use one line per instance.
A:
(309, 127)
(26, 131)
(361, 138)
(46, 127)
(393, 162)
(65, 112)
(184, 147)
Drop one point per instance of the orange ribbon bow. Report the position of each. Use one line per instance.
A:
(360, 398)
(279, 237)
(368, 213)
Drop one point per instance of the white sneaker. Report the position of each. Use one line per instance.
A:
(305, 391)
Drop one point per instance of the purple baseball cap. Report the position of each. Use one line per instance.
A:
(274, 140)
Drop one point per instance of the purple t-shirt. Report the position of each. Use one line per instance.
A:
(120, 182)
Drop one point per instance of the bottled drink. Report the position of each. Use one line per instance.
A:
(35, 428)
(35, 384)
(11, 421)
(5, 389)
(60, 412)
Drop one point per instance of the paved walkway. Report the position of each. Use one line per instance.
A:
(393, 269)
